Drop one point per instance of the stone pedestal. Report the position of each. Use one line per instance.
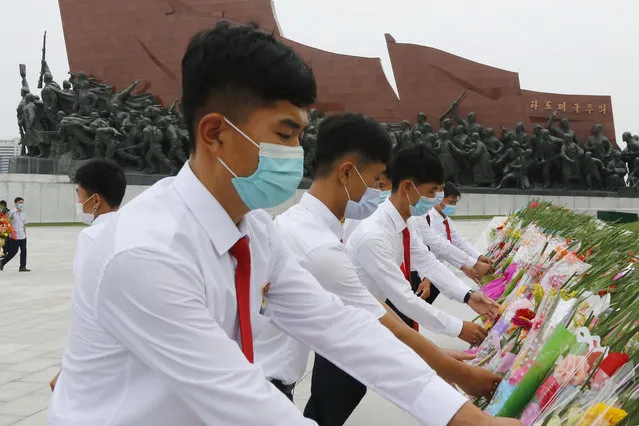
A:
(64, 165)
(67, 166)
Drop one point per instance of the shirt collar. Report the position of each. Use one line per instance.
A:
(320, 210)
(389, 209)
(102, 218)
(435, 215)
(442, 216)
(210, 214)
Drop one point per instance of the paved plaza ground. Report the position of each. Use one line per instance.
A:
(34, 317)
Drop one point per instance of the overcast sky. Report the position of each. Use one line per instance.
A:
(565, 46)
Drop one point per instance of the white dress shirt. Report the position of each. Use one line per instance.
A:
(439, 245)
(18, 220)
(350, 225)
(313, 234)
(377, 251)
(447, 282)
(437, 224)
(86, 238)
(153, 337)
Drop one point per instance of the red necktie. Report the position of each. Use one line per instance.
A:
(406, 235)
(406, 264)
(447, 225)
(242, 254)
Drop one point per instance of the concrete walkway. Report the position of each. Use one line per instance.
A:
(34, 317)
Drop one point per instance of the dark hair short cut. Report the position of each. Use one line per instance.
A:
(104, 178)
(234, 69)
(3, 203)
(350, 133)
(417, 163)
(18, 199)
(451, 190)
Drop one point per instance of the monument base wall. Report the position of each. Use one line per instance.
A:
(52, 198)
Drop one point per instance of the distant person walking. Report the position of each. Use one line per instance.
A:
(19, 239)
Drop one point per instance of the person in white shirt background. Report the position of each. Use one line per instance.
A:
(19, 223)
(383, 250)
(442, 223)
(439, 222)
(100, 188)
(162, 319)
(351, 153)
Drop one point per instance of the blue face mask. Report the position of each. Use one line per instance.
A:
(383, 196)
(279, 172)
(449, 210)
(423, 205)
(439, 197)
(20, 206)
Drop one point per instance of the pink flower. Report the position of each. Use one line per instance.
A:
(518, 375)
(573, 369)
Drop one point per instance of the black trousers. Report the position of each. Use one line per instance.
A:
(12, 250)
(287, 390)
(415, 282)
(334, 394)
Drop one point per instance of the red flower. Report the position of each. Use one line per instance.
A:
(521, 322)
(607, 290)
(502, 244)
(523, 318)
(534, 205)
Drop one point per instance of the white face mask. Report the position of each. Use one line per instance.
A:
(365, 206)
(86, 218)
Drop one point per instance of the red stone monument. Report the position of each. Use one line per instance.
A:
(119, 41)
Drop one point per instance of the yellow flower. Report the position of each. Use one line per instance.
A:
(567, 296)
(602, 415)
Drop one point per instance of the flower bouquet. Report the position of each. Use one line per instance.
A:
(6, 230)
(566, 339)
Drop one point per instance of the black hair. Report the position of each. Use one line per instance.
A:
(3, 203)
(451, 189)
(233, 69)
(18, 199)
(350, 133)
(417, 163)
(102, 177)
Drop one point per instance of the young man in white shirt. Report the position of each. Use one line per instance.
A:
(19, 223)
(440, 222)
(436, 221)
(100, 188)
(351, 154)
(384, 250)
(162, 320)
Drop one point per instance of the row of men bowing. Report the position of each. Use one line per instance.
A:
(191, 306)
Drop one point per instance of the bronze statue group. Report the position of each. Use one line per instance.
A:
(550, 157)
(85, 119)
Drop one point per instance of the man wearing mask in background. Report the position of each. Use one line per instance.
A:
(472, 264)
(351, 154)
(384, 186)
(19, 240)
(101, 185)
(161, 331)
(383, 249)
(440, 222)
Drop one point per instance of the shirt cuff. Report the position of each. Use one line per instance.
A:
(471, 261)
(455, 326)
(437, 404)
(458, 291)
